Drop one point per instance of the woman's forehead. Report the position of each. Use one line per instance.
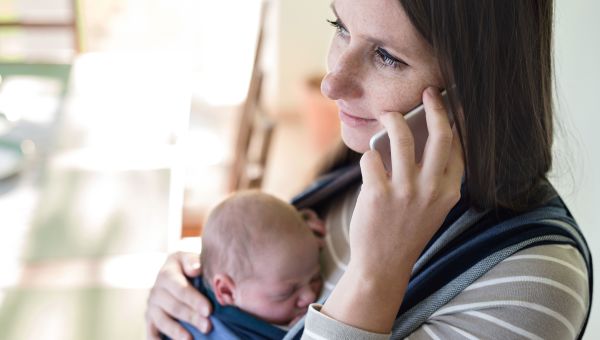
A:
(382, 22)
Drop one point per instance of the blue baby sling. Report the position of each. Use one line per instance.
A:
(468, 244)
(229, 322)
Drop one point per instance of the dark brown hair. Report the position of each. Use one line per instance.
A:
(498, 53)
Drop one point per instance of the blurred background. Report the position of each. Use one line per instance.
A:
(123, 121)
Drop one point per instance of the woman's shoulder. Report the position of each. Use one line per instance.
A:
(536, 273)
(538, 292)
(553, 259)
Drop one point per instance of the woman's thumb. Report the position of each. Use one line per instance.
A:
(191, 264)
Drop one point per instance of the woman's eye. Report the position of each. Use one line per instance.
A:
(341, 30)
(386, 59)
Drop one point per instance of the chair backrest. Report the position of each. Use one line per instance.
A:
(255, 128)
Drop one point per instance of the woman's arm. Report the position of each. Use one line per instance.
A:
(395, 217)
(173, 297)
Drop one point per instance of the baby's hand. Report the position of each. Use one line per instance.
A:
(315, 224)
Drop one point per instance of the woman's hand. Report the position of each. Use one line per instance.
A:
(395, 216)
(173, 297)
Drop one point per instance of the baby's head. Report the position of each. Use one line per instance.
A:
(258, 254)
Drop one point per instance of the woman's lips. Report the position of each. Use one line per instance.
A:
(354, 121)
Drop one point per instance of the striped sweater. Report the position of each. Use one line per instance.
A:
(537, 293)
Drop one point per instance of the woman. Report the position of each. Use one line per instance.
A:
(387, 57)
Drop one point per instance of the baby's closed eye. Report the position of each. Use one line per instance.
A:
(284, 294)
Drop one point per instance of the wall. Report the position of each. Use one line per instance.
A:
(577, 157)
(300, 49)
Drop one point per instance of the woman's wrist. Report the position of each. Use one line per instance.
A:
(384, 269)
(368, 299)
(381, 275)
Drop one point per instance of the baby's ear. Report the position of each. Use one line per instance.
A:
(224, 289)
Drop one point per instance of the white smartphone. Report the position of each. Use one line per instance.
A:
(415, 119)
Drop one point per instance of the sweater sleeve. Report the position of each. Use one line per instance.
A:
(537, 293)
(319, 326)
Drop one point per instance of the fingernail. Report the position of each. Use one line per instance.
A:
(204, 328)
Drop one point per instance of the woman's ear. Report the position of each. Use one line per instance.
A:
(224, 289)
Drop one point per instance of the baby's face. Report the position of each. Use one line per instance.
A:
(284, 283)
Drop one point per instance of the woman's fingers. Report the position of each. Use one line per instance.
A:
(190, 263)
(402, 146)
(372, 169)
(158, 320)
(152, 332)
(440, 140)
(185, 294)
(178, 285)
(456, 164)
(169, 305)
(173, 297)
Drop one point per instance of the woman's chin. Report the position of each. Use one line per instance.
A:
(358, 142)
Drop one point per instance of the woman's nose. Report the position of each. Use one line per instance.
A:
(306, 297)
(342, 81)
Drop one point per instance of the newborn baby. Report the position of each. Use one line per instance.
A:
(259, 255)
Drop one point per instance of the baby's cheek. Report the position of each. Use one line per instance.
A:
(286, 309)
(279, 312)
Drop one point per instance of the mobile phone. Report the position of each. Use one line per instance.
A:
(415, 119)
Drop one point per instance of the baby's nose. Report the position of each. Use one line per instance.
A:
(306, 297)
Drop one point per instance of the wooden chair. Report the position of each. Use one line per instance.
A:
(255, 128)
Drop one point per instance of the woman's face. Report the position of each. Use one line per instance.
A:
(378, 62)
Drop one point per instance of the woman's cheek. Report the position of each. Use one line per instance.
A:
(394, 99)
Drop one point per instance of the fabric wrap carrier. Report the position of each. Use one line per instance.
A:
(467, 245)
(230, 322)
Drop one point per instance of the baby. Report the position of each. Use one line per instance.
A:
(259, 255)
